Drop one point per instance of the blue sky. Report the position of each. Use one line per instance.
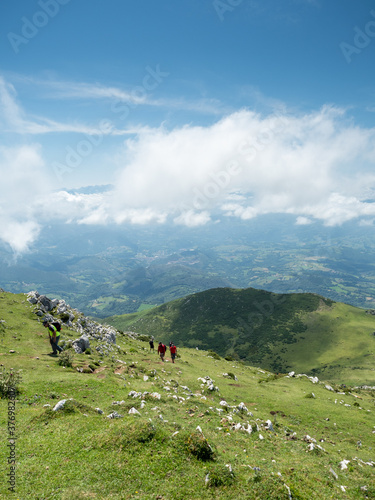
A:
(187, 108)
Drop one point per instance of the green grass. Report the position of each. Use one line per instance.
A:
(145, 307)
(80, 454)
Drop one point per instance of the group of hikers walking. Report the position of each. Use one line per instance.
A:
(162, 349)
(54, 337)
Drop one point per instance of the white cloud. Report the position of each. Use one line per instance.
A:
(23, 182)
(303, 221)
(18, 235)
(316, 165)
(190, 218)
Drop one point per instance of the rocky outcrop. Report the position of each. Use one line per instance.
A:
(59, 310)
(45, 306)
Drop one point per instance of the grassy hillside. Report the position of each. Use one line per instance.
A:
(279, 332)
(206, 428)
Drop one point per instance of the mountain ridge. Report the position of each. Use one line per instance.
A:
(279, 332)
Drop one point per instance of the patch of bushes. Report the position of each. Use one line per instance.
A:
(310, 395)
(66, 358)
(9, 382)
(219, 475)
(141, 431)
(72, 406)
(197, 445)
(270, 378)
(214, 355)
(64, 317)
(131, 435)
(143, 338)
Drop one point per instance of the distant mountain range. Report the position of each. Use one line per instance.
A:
(110, 270)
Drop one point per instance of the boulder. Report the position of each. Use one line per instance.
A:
(54, 303)
(59, 405)
(80, 345)
(114, 415)
(32, 297)
(61, 307)
(45, 302)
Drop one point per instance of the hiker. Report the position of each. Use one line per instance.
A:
(54, 336)
(173, 350)
(151, 342)
(161, 350)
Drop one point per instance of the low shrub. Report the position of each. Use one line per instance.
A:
(126, 434)
(219, 475)
(197, 445)
(72, 406)
(9, 382)
(64, 317)
(141, 431)
(144, 338)
(310, 395)
(66, 358)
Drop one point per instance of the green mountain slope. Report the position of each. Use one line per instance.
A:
(279, 332)
(201, 428)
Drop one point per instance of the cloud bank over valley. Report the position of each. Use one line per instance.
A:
(316, 166)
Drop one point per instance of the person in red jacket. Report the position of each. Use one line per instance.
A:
(173, 350)
(161, 350)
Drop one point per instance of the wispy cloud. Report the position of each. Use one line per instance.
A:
(133, 95)
(87, 91)
(15, 120)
